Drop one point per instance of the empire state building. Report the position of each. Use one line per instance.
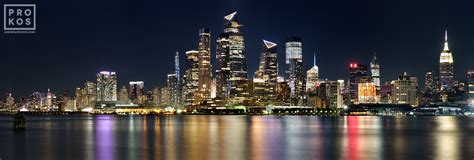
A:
(446, 69)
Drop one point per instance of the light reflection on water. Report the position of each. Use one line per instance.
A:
(238, 137)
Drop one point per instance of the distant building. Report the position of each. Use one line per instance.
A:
(356, 71)
(327, 94)
(237, 59)
(191, 78)
(165, 99)
(429, 82)
(375, 71)
(10, 102)
(367, 92)
(446, 67)
(312, 77)
(173, 90)
(205, 68)
(106, 86)
(470, 85)
(123, 95)
(386, 93)
(294, 69)
(136, 91)
(265, 77)
(404, 90)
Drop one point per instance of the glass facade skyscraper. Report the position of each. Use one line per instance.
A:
(294, 69)
(106, 86)
(205, 68)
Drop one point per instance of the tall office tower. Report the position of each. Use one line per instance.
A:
(191, 77)
(375, 70)
(223, 84)
(49, 99)
(267, 72)
(79, 98)
(106, 86)
(446, 68)
(136, 90)
(312, 76)
(356, 71)
(429, 82)
(294, 69)
(176, 67)
(205, 69)
(172, 82)
(404, 90)
(90, 89)
(470, 86)
(237, 58)
(123, 95)
(366, 89)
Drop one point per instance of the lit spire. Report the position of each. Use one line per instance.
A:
(446, 48)
(314, 62)
(230, 16)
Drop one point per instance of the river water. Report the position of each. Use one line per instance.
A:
(238, 137)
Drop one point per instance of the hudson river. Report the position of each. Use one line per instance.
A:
(238, 137)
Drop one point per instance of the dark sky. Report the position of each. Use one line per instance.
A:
(137, 38)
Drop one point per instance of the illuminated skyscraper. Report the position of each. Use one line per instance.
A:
(205, 77)
(172, 81)
(191, 77)
(10, 102)
(356, 71)
(294, 69)
(106, 86)
(136, 90)
(223, 84)
(176, 67)
(375, 70)
(237, 58)
(267, 72)
(446, 68)
(312, 76)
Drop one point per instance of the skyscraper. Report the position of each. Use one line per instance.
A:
(172, 82)
(267, 72)
(470, 85)
(366, 90)
(223, 84)
(294, 69)
(177, 71)
(191, 77)
(429, 82)
(356, 71)
(446, 68)
(312, 76)
(205, 77)
(237, 58)
(136, 90)
(375, 70)
(106, 86)
(123, 95)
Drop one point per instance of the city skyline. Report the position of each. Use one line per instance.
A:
(332, 61)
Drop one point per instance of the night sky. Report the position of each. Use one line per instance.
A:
(138, 38)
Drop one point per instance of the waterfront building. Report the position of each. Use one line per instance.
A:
(106, 86)
(375, 71)
(356, 71)
(470, 86)
(136, 90)
(404, 90)
(367, 92)
(446, 67)
(172, 81)
(326, 94)
(205, 68)
(123, 95)
(294, 69)
(223, 84)
(191, 78)
(165, 99)
(312, 76)
(266, 76)
(237, 59)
